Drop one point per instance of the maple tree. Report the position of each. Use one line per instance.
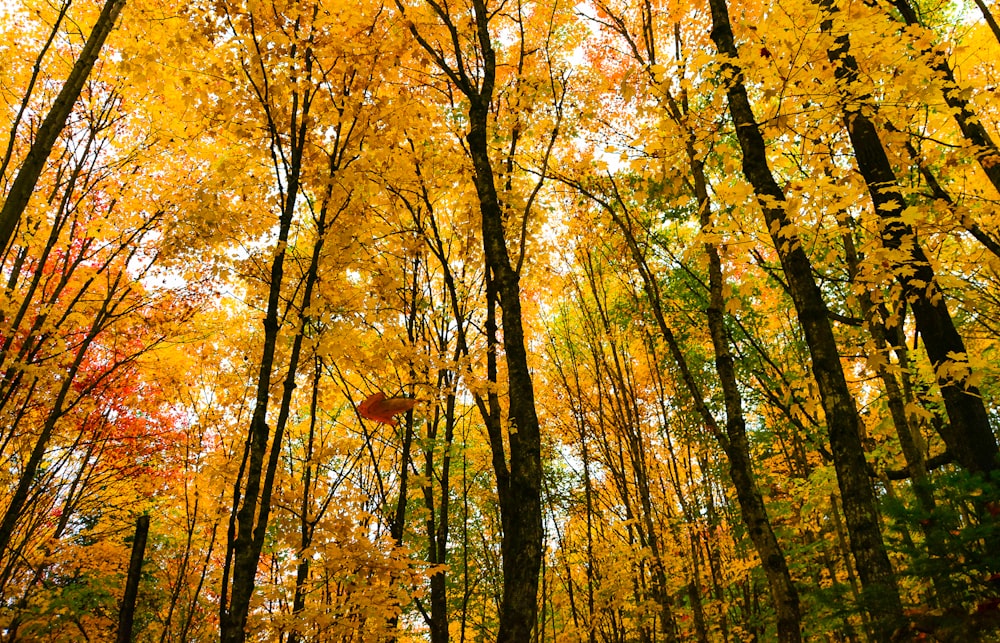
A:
(518, 321)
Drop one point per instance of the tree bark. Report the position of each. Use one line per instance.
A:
(307, 517)
(843, 422)
(249, 526)
(519, 475)
(986, 151)
(784, 595)
(255, 482)
(252, 491)
(53, 124)
(521, 507)
(126, 614)
(968, 434)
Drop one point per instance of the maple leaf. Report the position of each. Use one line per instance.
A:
(379, 408)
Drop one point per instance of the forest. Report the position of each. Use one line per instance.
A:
(527, 321)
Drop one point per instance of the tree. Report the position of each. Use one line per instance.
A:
(466, 56)
(302, 91)
(861, 512)
(30, 168)
(648, 396)
(968, 433)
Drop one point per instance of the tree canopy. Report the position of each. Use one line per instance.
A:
(608, 321)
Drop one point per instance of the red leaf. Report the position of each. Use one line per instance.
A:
(379, 408)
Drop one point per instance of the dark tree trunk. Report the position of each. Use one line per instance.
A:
(307, 517)
(45, 138)
(519, 475)
(734, 442)
(254, 485)
(784, 595)
(437, 521)
(252, 491)
(247, 526)
(843, 423)
(968, 434)
(520, 498)
(990, 19)
(126, 615)
(985, 148)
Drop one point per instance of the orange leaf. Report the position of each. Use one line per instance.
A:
(379, 408)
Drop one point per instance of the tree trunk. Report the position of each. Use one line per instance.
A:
(248, 528)
(843, 422)
(253, 487)
(735, 443)
(520, 505)
(252, 498)
(126, 614)
(45, 138)
(437, 520)
(519, 484)
(784, 595)
(986, 150)
(967, 434)
(307, 519)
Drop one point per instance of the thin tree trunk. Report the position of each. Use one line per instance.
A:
(734, 442)
(254, 484)
(306, 526)
(437, 522)
(986, 151)
(990, 20)
(245, 538)
(784, 595)
(909, 439)
(251, 518)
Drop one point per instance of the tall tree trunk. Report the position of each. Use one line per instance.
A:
(437, 519)
(54, 122)
(734, 441)
(246, 526)
(520, 498)
(986, 150)
(968, 434)
(843, 423)
(307, 517)
(126, 615)
(519, 475)
(784, 595)
(253, 488)
(288, 129)
(909, 437)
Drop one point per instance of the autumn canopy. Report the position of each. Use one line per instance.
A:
(610, 321)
